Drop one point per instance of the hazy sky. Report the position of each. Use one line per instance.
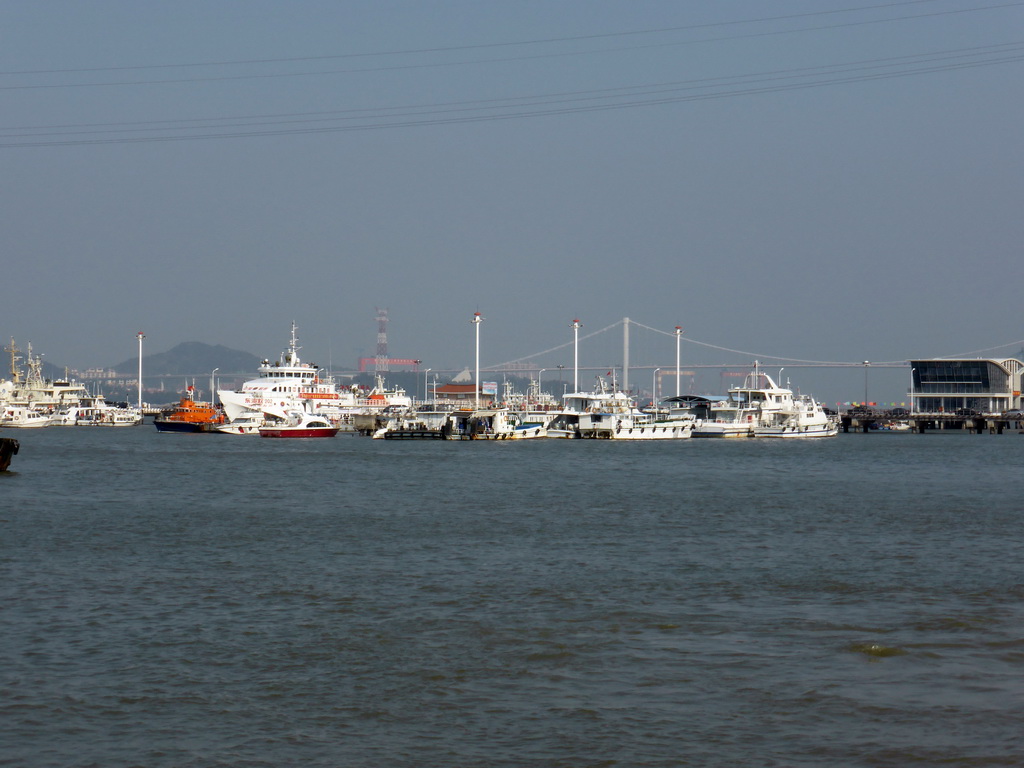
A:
(796, 180)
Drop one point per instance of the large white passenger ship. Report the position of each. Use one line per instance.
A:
(283, 387)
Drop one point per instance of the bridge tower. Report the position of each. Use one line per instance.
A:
(382, 341)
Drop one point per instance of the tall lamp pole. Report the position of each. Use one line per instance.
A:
(476, 321)
(576, 324)
(654, 386)
(679, 332)
(213, 388)
(140, 335)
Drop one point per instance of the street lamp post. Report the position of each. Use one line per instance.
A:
(679, 332)
(477, 319)
(576, 324)
(425, 384)
(540, 373)
(213, 388)
(654, 387)
(140, 335)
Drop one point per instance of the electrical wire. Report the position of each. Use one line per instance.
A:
(522, 107)
(505, 44)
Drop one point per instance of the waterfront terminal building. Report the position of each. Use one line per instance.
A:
(974, 386)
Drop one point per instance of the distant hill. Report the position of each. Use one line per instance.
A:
(190, 358)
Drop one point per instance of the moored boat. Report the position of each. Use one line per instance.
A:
(32, 391)
(246, 424)
(424, 423)
(491, 424)
(460, 424)
(299, 424)
(609, 414)
(761, 408)
(189, 415)
(25, 417)
(97, 412)
(745, 406)
(284, 386)
(802, 417)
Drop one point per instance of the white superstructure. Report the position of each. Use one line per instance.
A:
(283, 387)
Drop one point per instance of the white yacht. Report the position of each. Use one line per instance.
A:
(247, 423)
(803, 417)
(613, 415)
(491, 424)
(461, 424)
(761, 408)
(25, 417)
(424, 423)
(97, 412)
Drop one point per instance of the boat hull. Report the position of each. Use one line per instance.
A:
(298, 432)
(26, 418)
(183, 426)
(237, 429)
(797, 433)
(724, 430)
(114, 421)
(655, 432)
(409, 434)
(645, 432)
(8, 447)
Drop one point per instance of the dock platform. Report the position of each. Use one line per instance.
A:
(981, 423)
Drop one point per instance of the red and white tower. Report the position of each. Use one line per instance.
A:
(382, 340)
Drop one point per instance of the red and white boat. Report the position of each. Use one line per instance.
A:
(299, 425)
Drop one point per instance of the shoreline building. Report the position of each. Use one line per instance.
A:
(949, 385)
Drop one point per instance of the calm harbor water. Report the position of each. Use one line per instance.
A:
(199, 600)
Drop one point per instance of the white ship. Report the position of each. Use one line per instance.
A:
(283, 387)
(761, 408)
(802, 417)
(30, 400)
(613, 415)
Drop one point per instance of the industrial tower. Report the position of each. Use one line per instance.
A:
(382, 341)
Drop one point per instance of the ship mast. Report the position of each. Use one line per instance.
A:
(15, 372)
(292, 357)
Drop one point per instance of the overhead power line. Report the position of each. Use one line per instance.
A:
(450, 64)
(536, 41)
(517, 107)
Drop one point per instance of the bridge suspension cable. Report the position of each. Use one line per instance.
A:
(754, 355)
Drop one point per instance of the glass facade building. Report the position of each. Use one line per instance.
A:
(975, 385)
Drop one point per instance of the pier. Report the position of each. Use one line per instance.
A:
(979, 423)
